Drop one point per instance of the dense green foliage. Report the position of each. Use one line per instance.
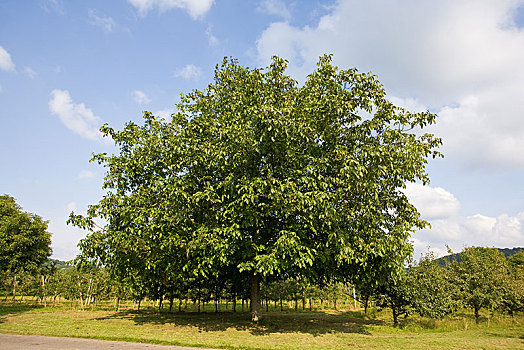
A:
(480, 277)
(256, 175)
(24, 241)
(433, 288)
(425, 288)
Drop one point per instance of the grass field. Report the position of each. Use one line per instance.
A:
(278, 330)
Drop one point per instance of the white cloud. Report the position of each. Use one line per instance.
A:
(195, 8)
(30, 72)
(411, 104)
(53, 6)
(503, 231)
(76, 117)
(189, 72)
(211, 39)
(275, 7)
(165, 114)
(491, 128)
(421, 247)
(85, 174)
(141, 97)
(71, 207)
(508, 229)
(432, 202)
(441, 209)
(458, 57)
(5, 60)
(106, 23)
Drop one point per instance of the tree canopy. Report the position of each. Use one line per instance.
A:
(24, 240)
(480, 276)
(260, 175)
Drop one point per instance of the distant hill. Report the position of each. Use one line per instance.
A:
(60, 265)
(510, 251)
(506, 251)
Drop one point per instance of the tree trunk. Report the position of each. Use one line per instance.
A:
(256, 312)
(310, 303)
(217, 299)
(477, 315)
(43, 291)
(14, 288)
(81, 299)
(139, 301)
(395, 316)
(88, 297)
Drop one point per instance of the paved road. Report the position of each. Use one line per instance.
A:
(34, 342)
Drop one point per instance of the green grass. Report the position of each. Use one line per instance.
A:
(278, 330)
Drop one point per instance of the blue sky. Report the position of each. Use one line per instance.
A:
(67, 67)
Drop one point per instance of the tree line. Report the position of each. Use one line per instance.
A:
(481, 279)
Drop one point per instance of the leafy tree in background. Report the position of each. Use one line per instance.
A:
(516, 262)
(271, 178)
(513, 293)
(480, 276)
(513, 286)
(398, 295)
(24, 240)
(434, 288)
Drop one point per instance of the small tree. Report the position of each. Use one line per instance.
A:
(397, 294)
(24, 240)
(513, 293)
(480, 277)
(513, 287)
(516, 263)
(434, 290)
